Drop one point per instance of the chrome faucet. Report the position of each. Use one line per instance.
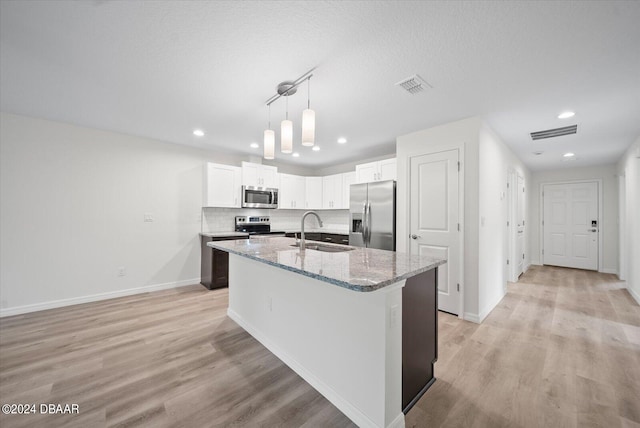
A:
(302, 226)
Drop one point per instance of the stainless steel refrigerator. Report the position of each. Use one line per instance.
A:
(372, 215)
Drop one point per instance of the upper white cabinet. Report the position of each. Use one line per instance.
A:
(292, 191)
(332, 192)
(258, 175)
(222, 186)
(348, 178)
(313, 193)
(377, 171)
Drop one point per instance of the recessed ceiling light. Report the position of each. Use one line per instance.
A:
(254, 145)
(566, 115)
(316, 148)
(569, 155)
(296, 155)
(198, 132)
(538, 153)
(342, 140)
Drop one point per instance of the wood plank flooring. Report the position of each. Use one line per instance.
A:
(561, 349)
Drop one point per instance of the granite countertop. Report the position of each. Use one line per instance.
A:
(361, 269)
(225, 234)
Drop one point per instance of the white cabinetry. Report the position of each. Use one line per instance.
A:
(258, 175)
(348, 178)
(222, 186)
(292, 191)
(313, 193)
(332, 192)
(376, 171)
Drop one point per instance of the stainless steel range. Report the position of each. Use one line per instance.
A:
(256, 225)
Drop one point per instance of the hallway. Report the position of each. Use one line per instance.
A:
(562, 349)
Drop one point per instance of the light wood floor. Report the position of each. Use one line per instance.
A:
(562, 349)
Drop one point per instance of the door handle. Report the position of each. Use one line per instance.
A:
(414, 236)
(594, 230)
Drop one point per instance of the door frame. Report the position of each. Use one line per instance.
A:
(430, 151)
(600, 211)
(512, 233)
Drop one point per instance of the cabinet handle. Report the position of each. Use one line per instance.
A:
(327, 239)
(346, 241)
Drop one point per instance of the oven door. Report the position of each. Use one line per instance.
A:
(259, 197)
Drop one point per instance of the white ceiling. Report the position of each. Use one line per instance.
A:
(161, 69)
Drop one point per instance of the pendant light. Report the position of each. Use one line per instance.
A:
(269, 140)
(286, 131)
(308, 120)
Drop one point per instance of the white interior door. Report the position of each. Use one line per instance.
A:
(434, 219)
(520, 210)
(571, 225)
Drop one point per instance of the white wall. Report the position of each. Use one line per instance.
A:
(463, 135)
(73, 202)
(608, 224)
(495, 160)
(629, 166)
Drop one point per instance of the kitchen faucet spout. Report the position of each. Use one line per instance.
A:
(304, 216)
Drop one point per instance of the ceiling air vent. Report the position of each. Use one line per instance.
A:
(414, 84)
(558, 132)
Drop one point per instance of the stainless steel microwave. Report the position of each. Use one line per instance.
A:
(259, 197)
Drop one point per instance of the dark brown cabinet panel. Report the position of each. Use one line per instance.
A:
(419, 336)
(333, 238)
(214, 264)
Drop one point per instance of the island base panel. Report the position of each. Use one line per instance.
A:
(419, 336)
(344, 343)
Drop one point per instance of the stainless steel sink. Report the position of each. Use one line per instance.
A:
(326, 248)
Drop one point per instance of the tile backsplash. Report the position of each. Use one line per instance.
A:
(222, 219)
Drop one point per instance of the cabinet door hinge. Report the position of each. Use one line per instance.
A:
(458, 166)
(507, 224)
(458, 227)
(543, 222)
(522, 256)
(507, 261)
(507, 185)
(543, 252)
(458, 287)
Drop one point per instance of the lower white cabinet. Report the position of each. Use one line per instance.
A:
(222, 187)
(313, 193)
(292, 192)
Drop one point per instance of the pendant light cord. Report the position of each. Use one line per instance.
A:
(309, 92)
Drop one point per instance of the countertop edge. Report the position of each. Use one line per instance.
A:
(354, 287)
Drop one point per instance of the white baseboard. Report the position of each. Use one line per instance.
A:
(535, 262)
(343, 405)
(491, 306)
(633, 293)
(526, 267)
(473, 317)
(478, 318)
(609, 270)
(7, 312)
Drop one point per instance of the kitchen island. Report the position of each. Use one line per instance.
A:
(339, 320)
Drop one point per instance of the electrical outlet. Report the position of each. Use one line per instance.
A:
(148, 218)
(122, 271)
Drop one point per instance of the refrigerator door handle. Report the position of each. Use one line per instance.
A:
(368, 223)
(364, 223)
